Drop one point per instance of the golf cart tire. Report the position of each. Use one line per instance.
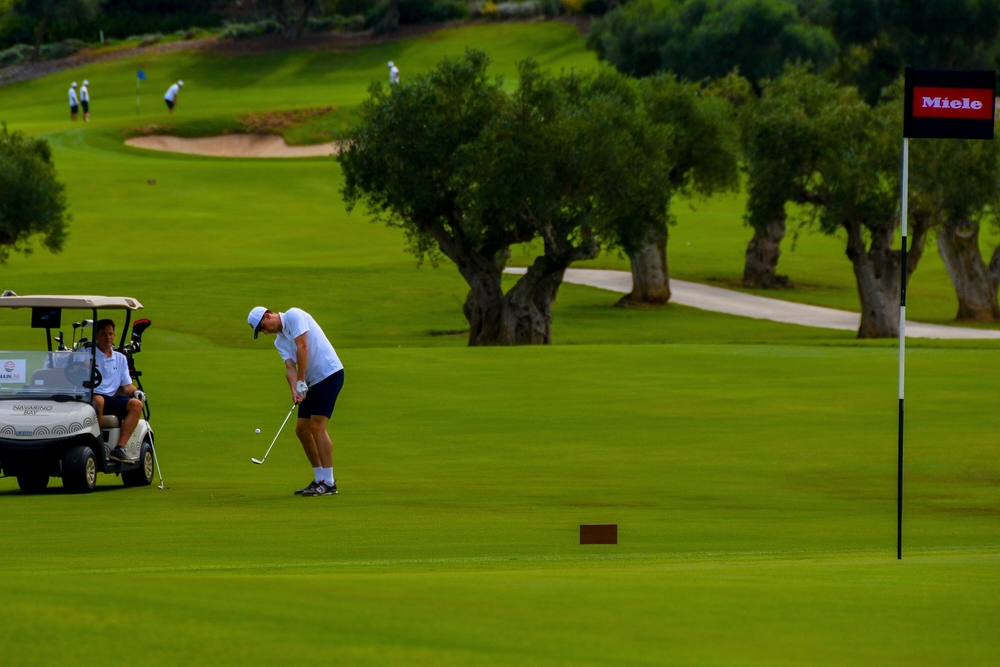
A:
(32, 483)
(79, 470)
(143, 475)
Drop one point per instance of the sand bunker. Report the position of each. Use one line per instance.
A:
(232, 145)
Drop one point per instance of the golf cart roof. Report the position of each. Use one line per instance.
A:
(71, 302)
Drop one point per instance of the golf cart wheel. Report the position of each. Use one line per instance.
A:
(33, 483)
(143, 475)
(79, 470)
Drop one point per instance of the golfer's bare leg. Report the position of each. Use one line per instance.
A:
(134, 408)
(99, 407)
(324, 446)
(308, 443)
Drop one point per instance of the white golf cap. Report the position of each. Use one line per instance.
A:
(180, 83)
(86, 83)
(254, 319)
(73, 85)
(391, 64)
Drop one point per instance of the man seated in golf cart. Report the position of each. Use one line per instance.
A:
(116, 395)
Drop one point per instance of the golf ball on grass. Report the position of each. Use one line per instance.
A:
(257, 431)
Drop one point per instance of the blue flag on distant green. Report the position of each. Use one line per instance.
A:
(140, 75)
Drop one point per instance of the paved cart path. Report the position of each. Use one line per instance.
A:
(719, 300)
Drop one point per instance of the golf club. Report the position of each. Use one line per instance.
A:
(275, 437)
(156, 459)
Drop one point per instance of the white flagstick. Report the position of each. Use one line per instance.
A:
(902, 349)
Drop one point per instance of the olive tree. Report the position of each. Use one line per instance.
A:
(467, 169)
(958, 183)
(850, 186)
(698, 155)
(32, 201)
(781, 133)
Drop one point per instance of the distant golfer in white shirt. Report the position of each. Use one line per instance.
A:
(315, 375)
(74, 102)
(85, 100)
(171, 97)
(393, 74)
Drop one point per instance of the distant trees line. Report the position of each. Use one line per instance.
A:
(41, 21)
(584, 162)
(851, 51)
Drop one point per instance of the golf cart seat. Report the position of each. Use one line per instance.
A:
(109, 421)
(51, 377)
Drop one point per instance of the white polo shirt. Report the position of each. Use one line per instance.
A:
(323, 359)
(84, 94)
(114, 372)
(172, 92)
(72, 97)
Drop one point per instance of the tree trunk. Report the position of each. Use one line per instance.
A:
(42, 27)
(389, 22)
(527, 313)
(650, 277)
(301, 20)
(763, 252)
(876, 270)
(975, 283)
(483, 307)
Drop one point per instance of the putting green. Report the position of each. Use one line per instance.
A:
(749, 465)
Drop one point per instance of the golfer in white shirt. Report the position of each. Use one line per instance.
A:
(171, 97)
(393, 74)
(85, 100)
(74, 102)
(315, 375)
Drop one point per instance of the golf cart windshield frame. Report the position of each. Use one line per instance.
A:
(92, 303)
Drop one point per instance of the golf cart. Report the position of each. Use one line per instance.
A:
(48, 424)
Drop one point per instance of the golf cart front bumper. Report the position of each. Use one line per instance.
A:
(35, 434)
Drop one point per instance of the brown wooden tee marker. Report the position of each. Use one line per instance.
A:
(599, 533)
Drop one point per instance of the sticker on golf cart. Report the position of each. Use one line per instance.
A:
(13, 370)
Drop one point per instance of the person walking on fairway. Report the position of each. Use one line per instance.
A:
(393, 74)
(171, 97)
(315, 375)
(74, 102)
(85, 100)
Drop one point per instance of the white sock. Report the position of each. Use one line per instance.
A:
(327, 475)
(318, 474)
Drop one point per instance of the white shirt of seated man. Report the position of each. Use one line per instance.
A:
(114, 376)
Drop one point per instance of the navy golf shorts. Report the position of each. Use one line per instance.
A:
(322, 396)
(116, 405)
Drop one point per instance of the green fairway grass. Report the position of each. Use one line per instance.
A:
(750, 465)
(753, 487)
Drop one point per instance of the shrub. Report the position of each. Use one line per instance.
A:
(350, 23)
(10, 57)
(517, 10)
(247, 30)
(572, 6)
(321, 23)
(149, 40)
(58, 50)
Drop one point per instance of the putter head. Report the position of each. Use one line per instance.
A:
(256, 461)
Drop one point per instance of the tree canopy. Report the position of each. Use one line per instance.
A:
(32, 201)
(468, 169)
(699, 39)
